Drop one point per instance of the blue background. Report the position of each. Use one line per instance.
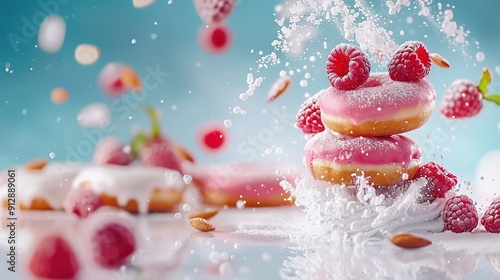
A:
(205, 87)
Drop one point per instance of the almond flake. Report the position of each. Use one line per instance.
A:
(201, 224)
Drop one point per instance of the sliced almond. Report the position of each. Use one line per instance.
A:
(278, 88)
(37, 164)
(201, 224)
(205, 214)
(409, 241)
(439, 60)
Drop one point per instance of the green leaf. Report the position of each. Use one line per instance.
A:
(485, 81)
(495, 98)
(137, 143)
(155, 132)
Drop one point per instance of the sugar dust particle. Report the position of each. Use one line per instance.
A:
(409, 20)
(94, 115)
(228, 123)
(497, 69)
(142, 3)
(24, 112)
(59, 95)
(133, 41)
(51, 34)
(52, 155)
(212, 137)
(480, 56)
(87, 54)
(303, 83)
(154, 36)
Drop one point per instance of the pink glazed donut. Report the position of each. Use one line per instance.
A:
(256, 185)
(380, 107)
(337, 158)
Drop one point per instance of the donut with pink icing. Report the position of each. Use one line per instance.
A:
(384, 161)
(380, 107)
(255, 185)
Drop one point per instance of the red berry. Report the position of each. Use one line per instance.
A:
(212, 137)
(214, 11)
(410, 62)
(347, 67)
(110, 79)
(112, 245)
(215, 39)
(309, 116)
(491, 218)
(439, 181)
(460, 214)
(82, 202)
(53, 259)
(110, 150)
(160, 152)
(462, 100)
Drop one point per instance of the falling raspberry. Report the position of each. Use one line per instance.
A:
(410, 62)
(214, 11)
(464, 99)
(347, 67)
(212, 137)
(215, 39)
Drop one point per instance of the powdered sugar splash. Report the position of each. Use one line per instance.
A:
(370, 215)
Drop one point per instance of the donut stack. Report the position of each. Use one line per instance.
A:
(357, 121)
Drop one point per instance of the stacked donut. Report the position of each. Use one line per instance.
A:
(364, 115)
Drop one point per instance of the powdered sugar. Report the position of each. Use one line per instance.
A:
(370, 214)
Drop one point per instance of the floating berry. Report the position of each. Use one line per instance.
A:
(439, 181)
(212, 137)
(110, 79)
(464, 99)
(82, 202)
(112, 245)
(460, 214)
(309, 116)
(347, 67)
(53, 258)
(215, 39)
(491, 218)
(214, 11)
(410, 62)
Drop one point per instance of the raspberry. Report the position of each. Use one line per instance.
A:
(460, 214)
(439, 181)
(110, 150)
(347, 67)
(53, 259)
(215, 39)
(160, 152)
(461, 100)
(82, 202)
(112, 245)
(410, 62)
(491, 218)
(214, 11)
(309, 116)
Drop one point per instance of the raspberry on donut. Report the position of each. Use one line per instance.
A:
(347, 67)
(380, 107)
(383, 161)
(410, 62)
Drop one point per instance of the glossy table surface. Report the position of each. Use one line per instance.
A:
(263, 243)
